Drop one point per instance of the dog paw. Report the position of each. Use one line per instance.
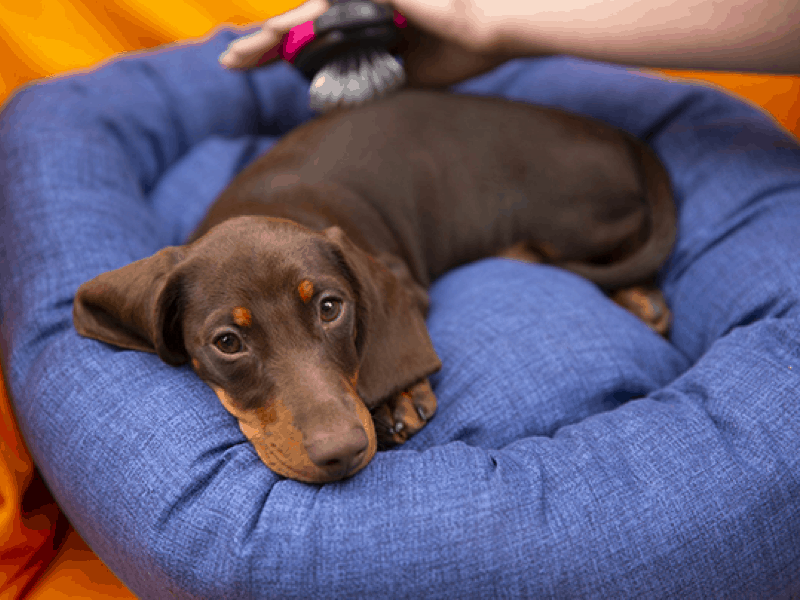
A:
(646, 303)
(404, 414)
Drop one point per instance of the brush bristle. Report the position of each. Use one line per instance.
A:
(354, 78)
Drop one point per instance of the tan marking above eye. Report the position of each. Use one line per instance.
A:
(306, 290)
(242, 316)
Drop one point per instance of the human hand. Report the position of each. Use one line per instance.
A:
(447, 42)
(439, 45)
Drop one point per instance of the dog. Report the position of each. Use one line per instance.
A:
(301, 297)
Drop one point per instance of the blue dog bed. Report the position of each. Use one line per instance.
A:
(574, 453)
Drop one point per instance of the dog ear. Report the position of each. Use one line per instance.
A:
(391, 333)
(136, 307)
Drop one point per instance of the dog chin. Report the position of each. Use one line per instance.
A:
(280, 445)
(306, 473)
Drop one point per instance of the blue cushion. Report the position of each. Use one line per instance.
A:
(574, 454)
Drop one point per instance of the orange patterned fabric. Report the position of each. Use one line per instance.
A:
(31, 526)
(41, 557)
(778, 94)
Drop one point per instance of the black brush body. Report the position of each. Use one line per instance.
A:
(348, 61)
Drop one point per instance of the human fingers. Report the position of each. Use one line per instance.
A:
(262, 46)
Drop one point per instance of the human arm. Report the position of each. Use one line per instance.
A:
(695, 34)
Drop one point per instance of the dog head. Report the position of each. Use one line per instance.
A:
(299, 333)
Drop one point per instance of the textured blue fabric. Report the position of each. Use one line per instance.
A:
(574, 454)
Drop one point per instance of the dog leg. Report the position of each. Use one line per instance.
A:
(645, 302)
(648, 304)
(404, 414)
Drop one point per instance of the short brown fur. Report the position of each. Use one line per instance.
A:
(371, 205)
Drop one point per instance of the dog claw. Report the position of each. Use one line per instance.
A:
(646, 303)
(404, 414)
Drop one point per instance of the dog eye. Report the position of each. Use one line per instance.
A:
(228, 343)
(330, 309)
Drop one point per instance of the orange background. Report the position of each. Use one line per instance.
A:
(40, 555)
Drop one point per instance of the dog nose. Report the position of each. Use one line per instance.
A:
(337, 451)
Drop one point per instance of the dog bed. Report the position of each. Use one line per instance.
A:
(574, 452)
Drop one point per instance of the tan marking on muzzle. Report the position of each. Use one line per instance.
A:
(242, 316)
(279, 443)
(306, 290)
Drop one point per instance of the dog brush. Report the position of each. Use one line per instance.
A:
(345, 53)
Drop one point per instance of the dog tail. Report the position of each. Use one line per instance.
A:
(643, 264)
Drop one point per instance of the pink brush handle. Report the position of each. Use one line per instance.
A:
(297, 37)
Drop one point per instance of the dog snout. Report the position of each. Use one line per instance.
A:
(338, 450)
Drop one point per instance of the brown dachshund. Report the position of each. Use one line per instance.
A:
(301, 298)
